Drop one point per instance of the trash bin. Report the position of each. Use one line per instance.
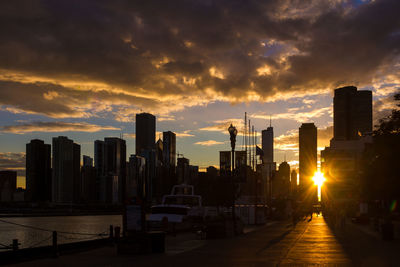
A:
(387, 231)
(157, 241)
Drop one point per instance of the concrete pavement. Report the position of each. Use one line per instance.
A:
(308, 244)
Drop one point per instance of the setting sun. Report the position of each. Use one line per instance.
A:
(318, 178)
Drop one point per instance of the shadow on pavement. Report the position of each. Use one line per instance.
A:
(364, 249)
(275, 241)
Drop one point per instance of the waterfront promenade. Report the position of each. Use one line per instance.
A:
(279, 244)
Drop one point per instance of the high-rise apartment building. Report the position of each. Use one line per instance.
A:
(145, 132)
(38, 171)
(307, 154)
(66, 170)
(352, 113)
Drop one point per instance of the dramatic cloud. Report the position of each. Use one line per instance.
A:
(54, 127)
(85, 58)
(209, 143)
(106, 61)
(223, 125)
(297, 115)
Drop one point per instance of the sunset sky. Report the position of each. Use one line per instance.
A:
(83, 69)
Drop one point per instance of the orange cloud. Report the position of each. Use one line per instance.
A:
(209, 143)
(55, 127)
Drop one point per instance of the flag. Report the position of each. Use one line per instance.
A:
(259, 151)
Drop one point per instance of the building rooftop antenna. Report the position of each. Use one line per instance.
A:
(270, 123)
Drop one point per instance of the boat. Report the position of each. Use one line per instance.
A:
(182, 205)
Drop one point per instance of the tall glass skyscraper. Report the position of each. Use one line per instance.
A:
(66, 170)
(145, 132)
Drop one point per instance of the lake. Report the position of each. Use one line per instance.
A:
(72, 225)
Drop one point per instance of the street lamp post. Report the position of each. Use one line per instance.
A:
(233, 132)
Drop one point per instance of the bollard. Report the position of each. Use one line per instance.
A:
(55, 246)
(117, 233)
(15, 244)
(111, 232)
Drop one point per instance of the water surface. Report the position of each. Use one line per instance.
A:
(72, 224)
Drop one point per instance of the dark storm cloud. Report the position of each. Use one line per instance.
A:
(163, 48)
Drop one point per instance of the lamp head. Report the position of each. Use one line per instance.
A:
(232, 130)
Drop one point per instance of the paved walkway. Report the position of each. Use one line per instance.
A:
(280, 244)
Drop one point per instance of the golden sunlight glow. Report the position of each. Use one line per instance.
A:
(319, 180)
(216, 73)
(264, 71)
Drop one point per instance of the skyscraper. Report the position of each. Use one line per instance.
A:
(225, 162)
(268, 144)
(169, 178)
(281, 181)
(88, 183)
(8, 185)
(269, 166)
(293, 182)
(136, 177)
(150, 156)
(307, 154)
(183, 170)
(99, 159)
(341, 161)
(352, 113)
(110, 164)
(116, 162)
(145, 132)
(38, 171)
(169, 149)
(66, 170)
(87, 161)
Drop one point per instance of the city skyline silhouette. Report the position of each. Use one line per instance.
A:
(259, 132)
